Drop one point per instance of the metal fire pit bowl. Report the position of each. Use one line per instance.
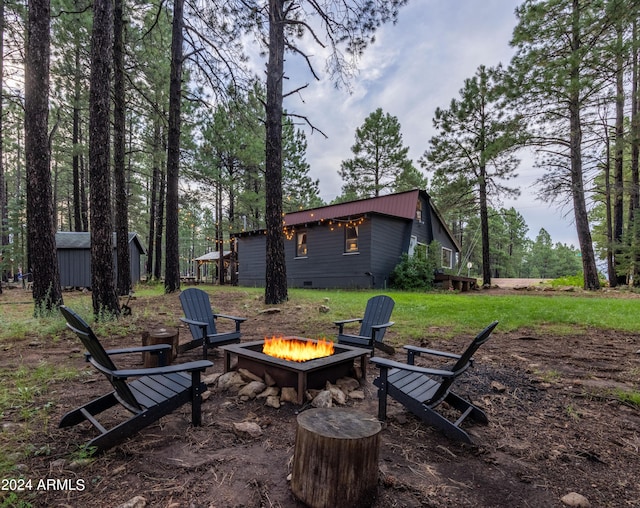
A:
(299, 375)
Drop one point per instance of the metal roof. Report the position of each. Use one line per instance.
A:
(213, 256)
(402, 205)
(82, 240)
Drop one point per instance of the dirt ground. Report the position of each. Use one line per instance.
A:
(555, 427)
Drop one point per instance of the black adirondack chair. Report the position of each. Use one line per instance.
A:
(154, 392)
(422, 389)
(202, 322)
(374, 324)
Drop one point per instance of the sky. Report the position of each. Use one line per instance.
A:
(413, 67)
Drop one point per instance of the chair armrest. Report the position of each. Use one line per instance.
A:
(376, 328)
(340, 324)
(199, 365)
(384, 363)
(344, 321)
(385, 325)
(193, 322)
(157, 348)
(418, 350)
(235, 318)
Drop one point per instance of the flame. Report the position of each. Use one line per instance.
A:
(297, 350)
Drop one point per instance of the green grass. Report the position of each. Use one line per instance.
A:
(632, 398)
(451, 314)
(417, 316)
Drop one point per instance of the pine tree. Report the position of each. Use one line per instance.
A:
(42, 256)
(103, 291)
(557, 73)
(380, 160)
(475, 143)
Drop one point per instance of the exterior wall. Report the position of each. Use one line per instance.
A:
(74, 266)
(390, 239)
(326, 265)
(251, 260)
(381, 241)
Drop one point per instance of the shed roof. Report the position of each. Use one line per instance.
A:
(402, 205)
(213, 256)
(82, 240)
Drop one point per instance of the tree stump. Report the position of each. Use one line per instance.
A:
(159, 336)
(336, 458)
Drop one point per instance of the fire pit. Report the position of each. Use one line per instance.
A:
(300, 375)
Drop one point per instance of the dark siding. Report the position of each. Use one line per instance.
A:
(326, 264)
(390, 239)
(75, 267)
(134, 262)
(422, 229)
(440, 235)
(251, 260)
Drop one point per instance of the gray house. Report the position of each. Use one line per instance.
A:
(74, 258)
(349, 245)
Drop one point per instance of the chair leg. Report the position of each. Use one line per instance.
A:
(466, 408)
(382, 394)
(196, 400)
(94, 407)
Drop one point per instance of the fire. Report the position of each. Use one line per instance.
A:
(297, 350)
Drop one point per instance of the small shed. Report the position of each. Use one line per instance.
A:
(74, 258)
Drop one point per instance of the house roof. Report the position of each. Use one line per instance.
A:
(402, 205)
(82, 240)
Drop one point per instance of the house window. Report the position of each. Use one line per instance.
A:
(447, 258)
(419, 211)
(412, 244)
(301, 245)
(351, 239)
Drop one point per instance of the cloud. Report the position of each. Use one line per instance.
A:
(413, 67)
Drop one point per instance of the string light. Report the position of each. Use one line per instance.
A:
(290, 231)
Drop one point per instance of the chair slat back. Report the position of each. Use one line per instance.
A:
(377, 312)
(197, 306)
(100, 356)
(463, 362)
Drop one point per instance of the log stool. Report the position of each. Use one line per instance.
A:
(159, 336)
(336, 458)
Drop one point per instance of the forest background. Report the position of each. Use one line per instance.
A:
(569, 95)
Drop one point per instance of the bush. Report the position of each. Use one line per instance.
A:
(415, 272)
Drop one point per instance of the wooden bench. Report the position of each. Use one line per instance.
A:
(447, 281)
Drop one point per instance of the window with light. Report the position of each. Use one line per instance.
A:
(301, 244)
(351, 239)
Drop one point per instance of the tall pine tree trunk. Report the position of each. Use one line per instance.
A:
(153, 198)
(634, 198)
(4, 237)
(276, 270)
(78, 224)
(172, 261)
(157, 272)
(40, 219)
(590, 271)
(484, 229)
(618, 184)
(611, 268)
(119, 127)
(105, 298)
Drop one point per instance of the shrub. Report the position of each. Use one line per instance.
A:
(415, 272)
